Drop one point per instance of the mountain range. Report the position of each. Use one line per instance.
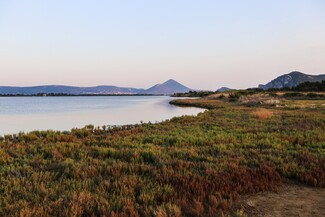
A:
(167, 88)
(291, 80)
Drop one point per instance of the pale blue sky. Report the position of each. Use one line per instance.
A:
(203, 44)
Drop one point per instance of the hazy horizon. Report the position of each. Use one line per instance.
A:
(201, 44)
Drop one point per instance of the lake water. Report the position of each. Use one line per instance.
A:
(64, 113)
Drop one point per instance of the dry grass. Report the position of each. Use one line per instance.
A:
(262, 114)
(259, 99)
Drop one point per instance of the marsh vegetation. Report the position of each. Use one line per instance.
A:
(186, 166)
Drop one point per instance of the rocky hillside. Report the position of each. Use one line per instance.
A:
(291, 80)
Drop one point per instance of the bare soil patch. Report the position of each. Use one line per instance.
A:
(289, 200)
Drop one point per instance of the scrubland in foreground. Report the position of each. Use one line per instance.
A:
(187, 166)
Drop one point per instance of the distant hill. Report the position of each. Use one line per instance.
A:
(167, 88)
(224, 89)
(291, 80)
(56, 89)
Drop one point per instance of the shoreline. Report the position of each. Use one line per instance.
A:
(90, 117)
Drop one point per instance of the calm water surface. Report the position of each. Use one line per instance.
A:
(64, 113)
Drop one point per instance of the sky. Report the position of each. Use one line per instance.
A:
(202, 44)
